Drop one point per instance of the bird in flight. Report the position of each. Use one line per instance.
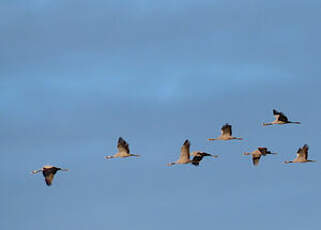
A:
(280, 119)
(256, 154)
(226, 134)
(123, 150)
(48, 172)
(301, 156)
(198, 156)
(184, 157)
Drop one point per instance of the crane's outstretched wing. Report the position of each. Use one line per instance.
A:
(280, 116)
(49, 174)
(303, 152)
(122, 145)
(198, 156)
(256, 159)
(185, 151)
(226, 130)
(264, 150)
(49, 179)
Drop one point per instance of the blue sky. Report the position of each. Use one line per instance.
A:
(76, 75)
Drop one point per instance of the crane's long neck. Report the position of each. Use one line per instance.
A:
(311, 161)
(36, 171)
(266, 124)
(288, 162)
(212, 139)
(237, 138)
(134, 155)
(294, 122)
(171, 164)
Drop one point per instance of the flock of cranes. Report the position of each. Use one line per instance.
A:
(49, 171)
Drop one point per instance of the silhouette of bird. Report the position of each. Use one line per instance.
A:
(123, 150)
(280, 119)
(48, 172)
(226, 134)
(256, 154)
(301, 156)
